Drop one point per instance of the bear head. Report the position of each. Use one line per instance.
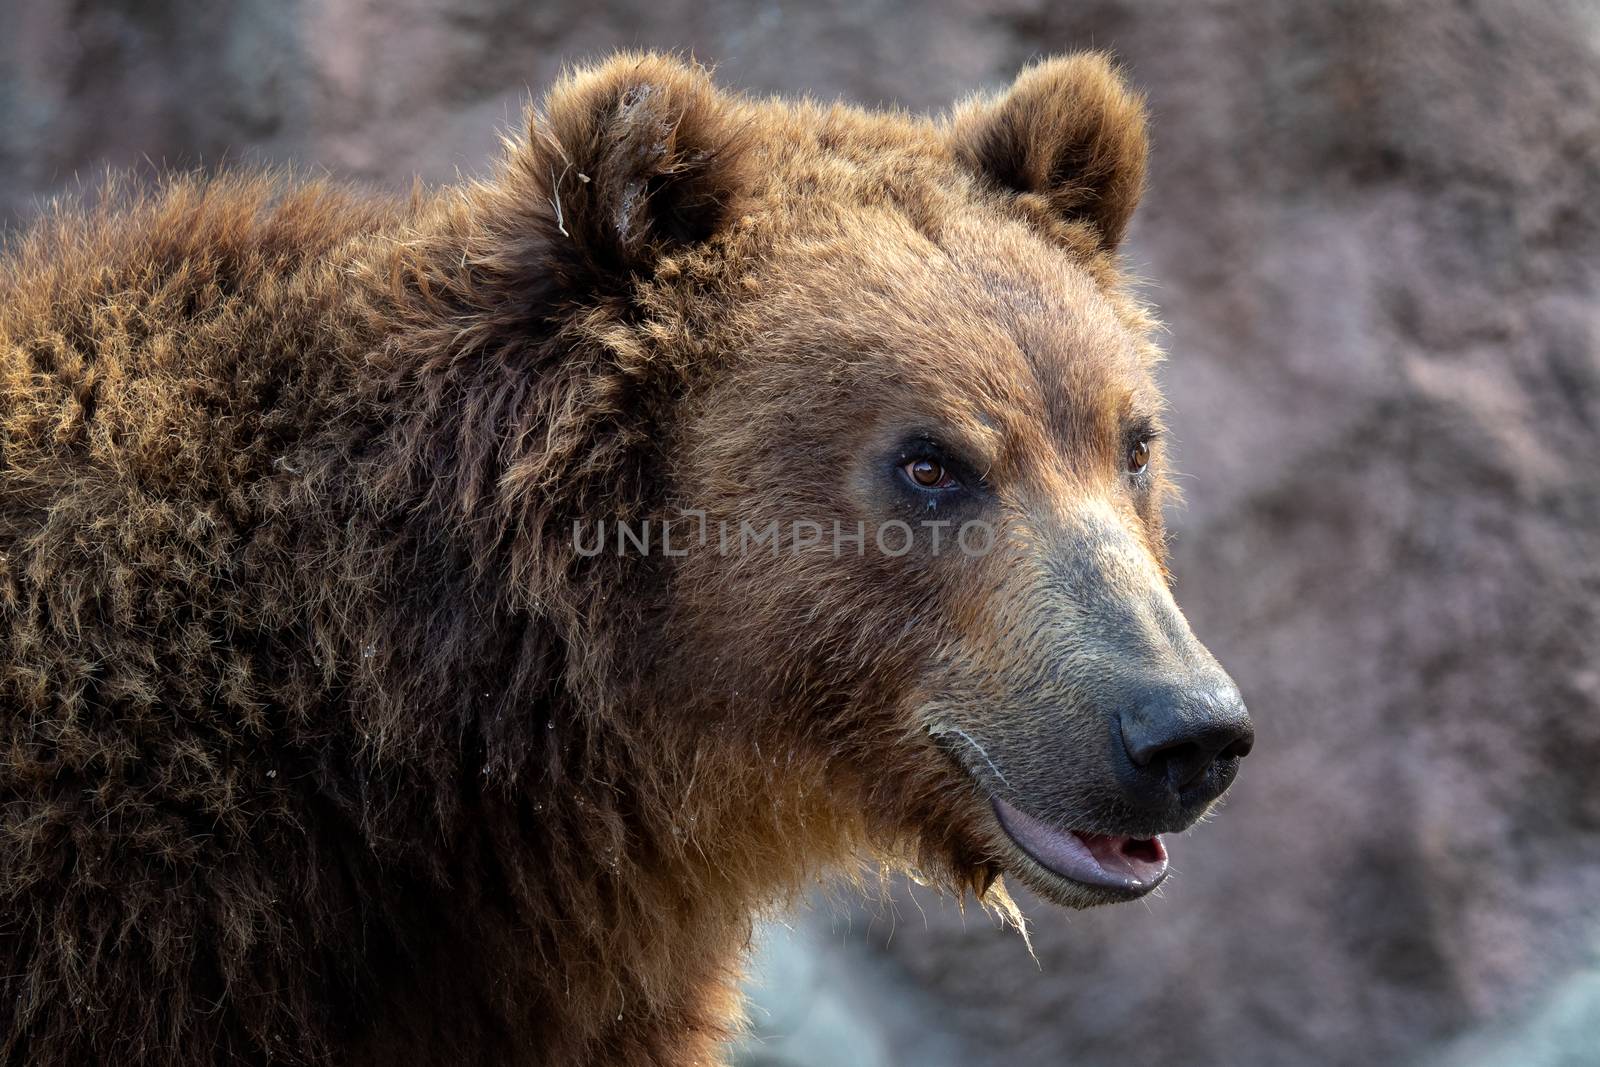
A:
(880, 382)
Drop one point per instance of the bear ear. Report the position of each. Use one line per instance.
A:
(633, 158)
(1069, 131)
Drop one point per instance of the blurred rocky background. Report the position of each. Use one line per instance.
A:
(1373, 229)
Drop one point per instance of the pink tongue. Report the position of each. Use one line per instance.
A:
(1095, 859)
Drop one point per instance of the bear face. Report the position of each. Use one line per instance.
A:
(996, 481)
(916, 404)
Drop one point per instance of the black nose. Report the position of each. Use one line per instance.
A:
(1186, 742)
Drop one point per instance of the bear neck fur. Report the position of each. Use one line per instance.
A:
(616, 832)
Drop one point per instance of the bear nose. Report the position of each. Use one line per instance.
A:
(1186, 742)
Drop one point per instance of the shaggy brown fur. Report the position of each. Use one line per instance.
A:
(319, 741)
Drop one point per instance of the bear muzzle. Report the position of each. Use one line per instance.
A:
(1099, 725)
(1082, 796)
(1180, 747)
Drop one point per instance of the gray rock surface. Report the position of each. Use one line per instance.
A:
(1374, 231)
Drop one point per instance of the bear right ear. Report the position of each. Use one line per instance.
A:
(1068, 132)
(630, 159)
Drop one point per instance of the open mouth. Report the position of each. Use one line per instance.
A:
(1125, 865)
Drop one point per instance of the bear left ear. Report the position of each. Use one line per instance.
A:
(1069, 131)
(633, 158)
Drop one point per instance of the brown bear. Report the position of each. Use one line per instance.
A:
(433, 628)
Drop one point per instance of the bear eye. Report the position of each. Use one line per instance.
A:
(1139, 456)
(928, 473)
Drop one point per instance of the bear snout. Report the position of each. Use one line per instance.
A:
(1183, 742)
